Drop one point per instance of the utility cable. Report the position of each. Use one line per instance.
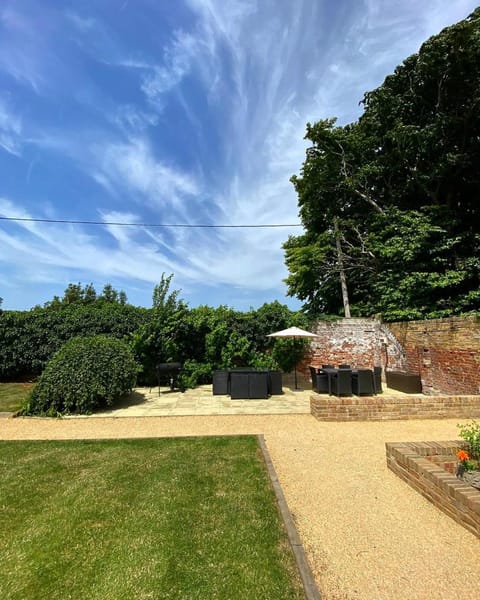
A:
(179, 225)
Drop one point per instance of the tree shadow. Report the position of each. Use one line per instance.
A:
(135, 398)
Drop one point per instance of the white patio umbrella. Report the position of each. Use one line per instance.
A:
(293, 332)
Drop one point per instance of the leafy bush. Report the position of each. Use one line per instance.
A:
(85, 374)
(264, 361)
(288, 352)
(195, 373)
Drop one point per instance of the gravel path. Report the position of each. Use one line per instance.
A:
(366, 533)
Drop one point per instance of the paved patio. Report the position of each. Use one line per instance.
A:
(155, 402)
(200, 401)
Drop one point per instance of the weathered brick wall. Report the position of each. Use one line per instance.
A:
(357, 342)
(445, 352)
(412, 461)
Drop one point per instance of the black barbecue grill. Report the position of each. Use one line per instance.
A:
(168, 373)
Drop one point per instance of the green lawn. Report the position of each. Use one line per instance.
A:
(12, 396)
(137, 519)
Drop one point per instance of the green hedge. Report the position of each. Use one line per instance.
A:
(30, 338)
(85, 374)
(203, 338)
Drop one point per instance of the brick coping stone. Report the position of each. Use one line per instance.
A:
(412, 461)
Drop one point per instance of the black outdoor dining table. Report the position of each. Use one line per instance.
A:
(246, 383)
(333, 372)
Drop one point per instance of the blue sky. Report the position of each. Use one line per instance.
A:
(179, 112)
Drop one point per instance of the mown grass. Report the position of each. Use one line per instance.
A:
(158, 518)
(12, 396)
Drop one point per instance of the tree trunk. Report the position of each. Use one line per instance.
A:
(341, 271)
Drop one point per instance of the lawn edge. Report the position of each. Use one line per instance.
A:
(309, 584)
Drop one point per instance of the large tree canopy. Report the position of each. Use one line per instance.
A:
(390, 203)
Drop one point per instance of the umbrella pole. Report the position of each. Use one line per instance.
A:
(294, 349)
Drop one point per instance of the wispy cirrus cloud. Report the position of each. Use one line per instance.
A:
(10, 129)
(190, 112)
(133, 165)
(124, 253)
(81, 23)
(177, 60)
(132, 120)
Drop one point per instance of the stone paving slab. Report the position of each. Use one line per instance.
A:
(200, 401)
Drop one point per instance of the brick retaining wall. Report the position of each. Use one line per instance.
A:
(385, 407)
(414, 463)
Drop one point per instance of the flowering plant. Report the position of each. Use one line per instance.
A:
(471, 434)
(465, 463)
(469, 461)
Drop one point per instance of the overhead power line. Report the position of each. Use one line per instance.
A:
(184, 225)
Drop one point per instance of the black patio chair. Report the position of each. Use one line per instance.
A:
(220, 383)
(258, 385)
(377, 379)
(248, 384)
(321, 383)
(363, 382)
(341, 382)
(319, 380)
(275, 385)
(239, 385)
(313, 375)
(344, 366)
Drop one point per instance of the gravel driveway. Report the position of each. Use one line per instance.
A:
(366, 533)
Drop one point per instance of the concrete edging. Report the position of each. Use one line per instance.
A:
(309, 585)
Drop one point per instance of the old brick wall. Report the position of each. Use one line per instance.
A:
(357, 342)
(351, 341)
(445, 352)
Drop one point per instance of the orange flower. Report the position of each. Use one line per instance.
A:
(462, 455)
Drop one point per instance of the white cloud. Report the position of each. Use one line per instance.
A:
(53, 249)
(131, 119)
(10, 130)
(176, 64)
(83, 24)
(133, 165)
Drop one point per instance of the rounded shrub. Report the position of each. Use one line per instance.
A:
(85, 374)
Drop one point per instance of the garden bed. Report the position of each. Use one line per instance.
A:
(422, 466)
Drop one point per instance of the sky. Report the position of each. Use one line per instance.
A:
(176, 112)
